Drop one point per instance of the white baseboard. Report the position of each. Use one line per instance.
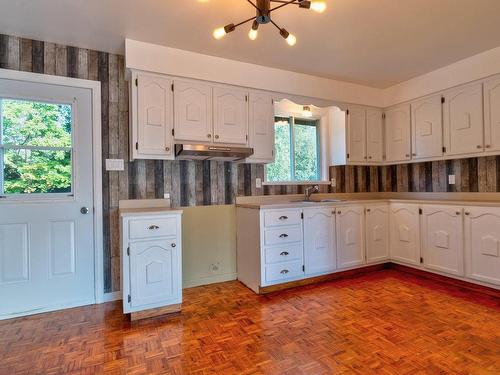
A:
(113, 296)
(209, 280)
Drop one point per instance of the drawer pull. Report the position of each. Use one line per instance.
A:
(173, 244)
(283, 235)
(283, 218)
(284, 272)
(467, 213)
(153, 227)
(284, 253)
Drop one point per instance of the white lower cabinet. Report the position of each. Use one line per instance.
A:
(442, 238)
(319, 241)
(350, 236)
(377, 233)
(482, 244)
(405, 233)
(151, 260)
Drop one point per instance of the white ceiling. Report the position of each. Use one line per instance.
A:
(374, 42)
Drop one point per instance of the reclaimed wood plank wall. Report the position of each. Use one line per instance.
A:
(193, 183)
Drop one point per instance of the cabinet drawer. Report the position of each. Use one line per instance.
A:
(275, 218)
(282, 235)
(283, 271)
(283, 253)
(153, 227)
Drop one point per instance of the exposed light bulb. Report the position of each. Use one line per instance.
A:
(291, 40)
(219, 33)
(253, 33)
(318, 6)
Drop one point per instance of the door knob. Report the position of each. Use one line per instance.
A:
(84, 210)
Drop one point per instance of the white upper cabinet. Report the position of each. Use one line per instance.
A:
(463, 120)
(152, 128)
(398, 133)
(261, 127)
(193, 111)
(230, 115)
(374, 136)
(377, 233)
(482, 244)
(492, 114)
(319, 241)
(427, 128)
(442, 239)
(350, 236)
(356, 135)
(405, 233)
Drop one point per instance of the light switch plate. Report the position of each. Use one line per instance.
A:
(258, 183)
(333, 182)
(451, 179)
(166, 196)
(115, 164)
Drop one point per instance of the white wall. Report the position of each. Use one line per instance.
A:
(166, 60)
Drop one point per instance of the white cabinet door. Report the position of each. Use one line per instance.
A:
(230, 115)
(154, 117)
(377, 233)
(442, 239)
(405, 233)
(427, 128)
(374, 136)
(398, 133)
(261, 127)
(463, 120)
(492, 114)
(356, 134)
(482, 244)
(319, 241)
(350, 236)
(192, 111)
(155, 276)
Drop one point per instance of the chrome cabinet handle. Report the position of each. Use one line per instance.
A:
(153, 227)
(216, 136)
(209, 135)
(284, 272)
(284, 253)
(283, 235)
(283, 218)
(84, 210)
(173, 245)
(167, 148)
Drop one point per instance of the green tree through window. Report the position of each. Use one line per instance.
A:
(297, 151)
(35, 147)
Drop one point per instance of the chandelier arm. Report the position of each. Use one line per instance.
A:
(255, 6)
(283, 4)
(276, 25)
(243, 22)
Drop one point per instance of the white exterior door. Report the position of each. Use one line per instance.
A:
(374, 136)
(427, 128)
(154, 122)
(442, 239)
(46, 214)
(398, 133)
(261, 127)
(350, 245)
(230, 116)
(482, 244)
(192, 111)
(154, 273)
(492, 114)
(405, 233)
(319, 241)
(463, 120)
(356, 133)
(377, 233)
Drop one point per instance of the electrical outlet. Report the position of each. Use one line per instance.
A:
(215, 268)
(166, 196)
(115, 164)
(333, 182)
(258, 183)
(451, 179)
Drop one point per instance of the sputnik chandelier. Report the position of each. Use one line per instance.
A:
(264, 9)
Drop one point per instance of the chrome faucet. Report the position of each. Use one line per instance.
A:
(309, 191)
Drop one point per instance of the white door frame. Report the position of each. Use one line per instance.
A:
(95, 88)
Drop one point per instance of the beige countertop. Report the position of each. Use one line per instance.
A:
(138, 211)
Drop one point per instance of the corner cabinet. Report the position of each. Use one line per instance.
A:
(492, 114)
(151, 263)
(261, 127)
(151, 117)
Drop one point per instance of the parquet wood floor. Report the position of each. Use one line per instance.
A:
(387, 322)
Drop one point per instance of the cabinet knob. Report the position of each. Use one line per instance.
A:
(458, 213)
(173, 245)
(153, 227)
(284, 272)
(467, 213)
(167, 148)
(488, 146)
(368, 210)
(209, 135)
(339, 212)
(283, 235)
(479, 146)
(369, 157)
(365, 157)
(407, 155)
(216, 136)
(284, 253)
(414, 154)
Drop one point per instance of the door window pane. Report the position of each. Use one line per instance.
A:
(35, 147)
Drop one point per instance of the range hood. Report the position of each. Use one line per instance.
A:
(211, 152)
